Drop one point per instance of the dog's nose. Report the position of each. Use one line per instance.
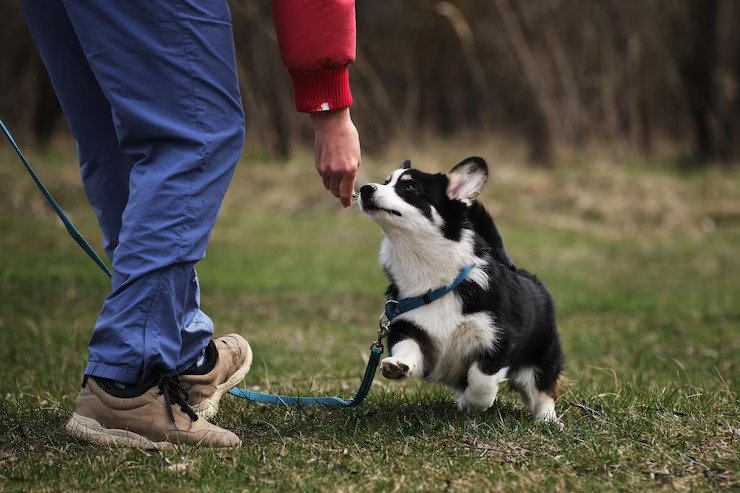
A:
(367, 191)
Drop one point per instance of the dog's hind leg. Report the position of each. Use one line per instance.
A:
(541, 401)
(406, 360)
(482, 389)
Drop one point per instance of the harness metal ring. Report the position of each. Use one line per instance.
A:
(377, 345)
(389, 302)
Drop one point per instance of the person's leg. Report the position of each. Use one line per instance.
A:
(167, 68)
(104, 168)
(140, 415)
(168, 71)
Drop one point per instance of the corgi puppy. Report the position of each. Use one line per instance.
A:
(497, 324)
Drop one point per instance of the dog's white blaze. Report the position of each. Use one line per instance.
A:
(482, 389)
(411, 218)
(393, 177)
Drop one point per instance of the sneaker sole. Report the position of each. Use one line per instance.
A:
(209, 407)
(89, 430)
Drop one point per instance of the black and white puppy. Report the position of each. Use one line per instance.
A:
(499, 324)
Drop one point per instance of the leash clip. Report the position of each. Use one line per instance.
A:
(384, 322)
(384, 327)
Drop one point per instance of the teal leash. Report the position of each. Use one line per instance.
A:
(376, 349)
(73, 232)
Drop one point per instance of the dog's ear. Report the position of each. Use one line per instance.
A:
(467, 179)
(406, 164)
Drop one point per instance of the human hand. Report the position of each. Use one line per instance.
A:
(337, 152)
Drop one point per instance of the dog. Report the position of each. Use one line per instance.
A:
(498, 324)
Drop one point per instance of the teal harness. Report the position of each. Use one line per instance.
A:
(393, 308)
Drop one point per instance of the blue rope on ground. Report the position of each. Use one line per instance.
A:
(284, 400)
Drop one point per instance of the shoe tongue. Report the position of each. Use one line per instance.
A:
(210, 355)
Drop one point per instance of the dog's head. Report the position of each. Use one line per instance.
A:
(413, 201)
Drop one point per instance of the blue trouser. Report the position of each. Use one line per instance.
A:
(150, 91)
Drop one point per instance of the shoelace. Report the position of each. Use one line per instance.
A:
(173, 392)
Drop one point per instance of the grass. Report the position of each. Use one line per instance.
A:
(644, 267)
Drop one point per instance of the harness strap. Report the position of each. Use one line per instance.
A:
(394, 308)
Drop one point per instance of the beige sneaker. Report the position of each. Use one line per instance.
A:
(159, 418)
(230, 359)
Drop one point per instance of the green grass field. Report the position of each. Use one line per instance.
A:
(644, 265)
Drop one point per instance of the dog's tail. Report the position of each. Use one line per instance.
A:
(483, 225)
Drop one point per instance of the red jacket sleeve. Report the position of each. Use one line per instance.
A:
(317, 41)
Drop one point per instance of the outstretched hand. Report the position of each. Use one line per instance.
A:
(337, 152)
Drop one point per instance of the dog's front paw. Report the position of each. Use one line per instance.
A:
(394, 368)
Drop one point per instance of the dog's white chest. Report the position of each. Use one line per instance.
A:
(438, 319)
(457, 337)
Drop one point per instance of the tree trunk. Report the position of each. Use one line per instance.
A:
(699, 71)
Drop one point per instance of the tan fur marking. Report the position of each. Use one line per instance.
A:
(554, 392)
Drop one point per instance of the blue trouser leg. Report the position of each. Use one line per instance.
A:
(104, 167)
(167, 72)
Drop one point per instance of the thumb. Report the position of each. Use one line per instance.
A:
(346, 188)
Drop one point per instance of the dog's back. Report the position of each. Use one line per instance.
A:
(524, 312)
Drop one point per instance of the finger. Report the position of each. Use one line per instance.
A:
(346, 189)
(325, 179)
(334, 182)
(317, 163)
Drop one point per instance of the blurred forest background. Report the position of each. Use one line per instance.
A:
(630, 78)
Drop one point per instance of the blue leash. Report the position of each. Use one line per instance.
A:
(283, 400)
(393, 308)
(54, 205)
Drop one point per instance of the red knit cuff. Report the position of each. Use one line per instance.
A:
(324, 89)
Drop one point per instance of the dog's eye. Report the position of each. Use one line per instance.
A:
(409, 186)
